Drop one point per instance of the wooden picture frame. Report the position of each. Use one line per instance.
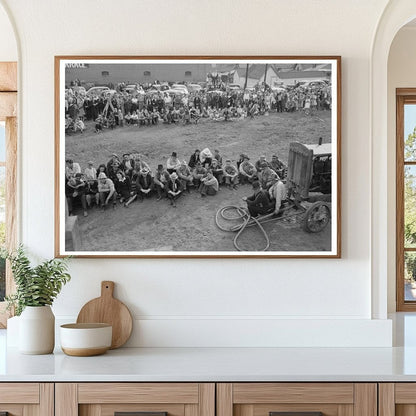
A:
(247, 106)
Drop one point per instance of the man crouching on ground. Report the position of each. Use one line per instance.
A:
(175, 188)
(209, 185)
(259, 202)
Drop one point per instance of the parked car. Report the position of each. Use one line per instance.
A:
(180, 87)
(97, 90)
(234, 87)
(194, 87)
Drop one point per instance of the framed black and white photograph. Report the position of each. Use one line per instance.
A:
(198, 156)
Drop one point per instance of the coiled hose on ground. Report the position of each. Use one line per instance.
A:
(242, 214)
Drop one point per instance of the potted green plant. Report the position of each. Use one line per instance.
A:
(36, 289)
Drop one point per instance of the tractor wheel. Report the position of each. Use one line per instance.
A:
(317, 217)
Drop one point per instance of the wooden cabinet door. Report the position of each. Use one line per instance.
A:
(297, 399)
(397, 399)
(26, 399)
(144, 399)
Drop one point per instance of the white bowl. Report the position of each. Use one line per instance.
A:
(83, 340)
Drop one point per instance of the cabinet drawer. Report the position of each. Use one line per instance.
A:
(309, 399)
(108, 399)
(397, 399)
(21, 399)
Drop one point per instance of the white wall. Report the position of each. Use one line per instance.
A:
(200, 300)
(8, 46)
(401, 74)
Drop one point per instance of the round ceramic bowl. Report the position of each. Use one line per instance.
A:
(84, 340)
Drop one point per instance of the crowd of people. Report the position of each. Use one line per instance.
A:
(122, 106)
(123, 180)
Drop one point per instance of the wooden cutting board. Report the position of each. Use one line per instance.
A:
(107, 309)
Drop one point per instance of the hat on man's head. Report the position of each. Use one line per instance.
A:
(174, 175)
(90, 162)
(144, 170)
(102, 175)
(174, 154)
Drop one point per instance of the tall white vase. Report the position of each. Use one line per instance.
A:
(37, 330)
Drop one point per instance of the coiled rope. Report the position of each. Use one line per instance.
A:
(245, 217)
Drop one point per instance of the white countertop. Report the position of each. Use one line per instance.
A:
(222, 364)
(215, 364)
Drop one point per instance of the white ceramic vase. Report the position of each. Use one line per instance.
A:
(37, 330)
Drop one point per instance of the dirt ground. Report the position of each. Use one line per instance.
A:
(156, 226)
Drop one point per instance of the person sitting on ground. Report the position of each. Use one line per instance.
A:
(123, 188)
(101, 169)
(161, 180)
(127, 165)
(278, 195)
(110, 164)
(198, 173)
(79, 125)
(267, 176)
(71, 168)
(218, 157)
(155, 116)
(139, 163)
(217, 171)
(99, 123)
(144, 184)
(77, 190)
(194, 159)
(262, 159)
(92, 195)
(230, 175)
(186, 116)
(278, 166)
(259, 202)
(247, 170)
(106, 190)
(185, 176)
(209, 185)
(205, 157)
(174, 188)
(173, 163)
(90, 172)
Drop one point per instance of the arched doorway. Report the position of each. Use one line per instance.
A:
(396, 15)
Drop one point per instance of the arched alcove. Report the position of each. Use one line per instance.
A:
(396, 15)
